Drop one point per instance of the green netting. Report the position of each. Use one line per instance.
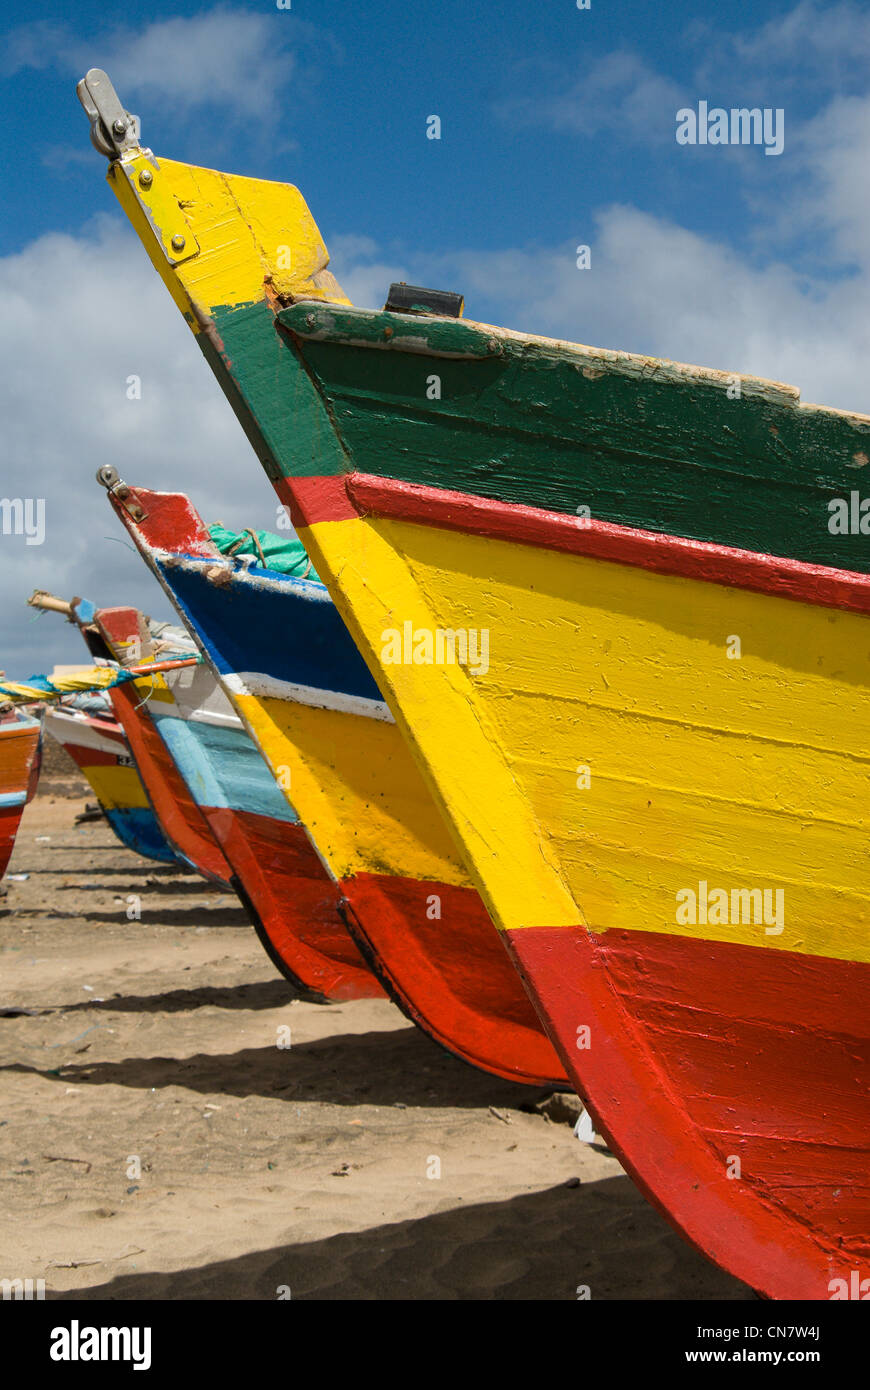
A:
(284, 554)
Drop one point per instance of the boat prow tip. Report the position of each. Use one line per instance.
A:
(107, 476)
(113, 129)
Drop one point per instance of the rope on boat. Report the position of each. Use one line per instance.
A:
(90, 678)
(256, 540)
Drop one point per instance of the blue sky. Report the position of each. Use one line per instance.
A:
(558, 129)
(541, 122)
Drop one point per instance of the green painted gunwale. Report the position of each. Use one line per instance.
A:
(545, 425)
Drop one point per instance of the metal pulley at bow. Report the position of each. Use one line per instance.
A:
(113, 130)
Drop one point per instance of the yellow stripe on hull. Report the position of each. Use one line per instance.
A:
(116, 788)
(741, 772)
(356, 788)
(152, 689)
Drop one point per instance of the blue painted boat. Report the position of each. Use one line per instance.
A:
(293, 673)
(88, 731)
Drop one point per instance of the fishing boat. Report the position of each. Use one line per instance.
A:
(86, 729)
(274, 868)
(660, 780)
(20, 735)
(183, 824)
(330, 741)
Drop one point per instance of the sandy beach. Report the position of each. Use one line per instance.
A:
(159, 1139)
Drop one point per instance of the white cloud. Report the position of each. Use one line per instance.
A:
(366, 277)
(822, 40)
(656, 288)
(81, 315)
(813, 47)
(238, 60)
(834, 201)
(33, 45)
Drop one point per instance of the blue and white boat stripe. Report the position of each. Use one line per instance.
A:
(222, 767)
(269, 687)
(254, 614)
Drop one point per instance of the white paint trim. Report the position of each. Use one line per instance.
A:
(270, 688)
(82, 732)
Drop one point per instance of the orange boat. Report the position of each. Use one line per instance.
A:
(20, 737)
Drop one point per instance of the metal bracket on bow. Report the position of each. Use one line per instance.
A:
(111, 480)
(113, 130)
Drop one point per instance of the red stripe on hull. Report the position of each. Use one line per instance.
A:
(84, 757)
(296, 903)
(181, 820)
(309, 500)
(702, 1053)
(108, 728)
(179, 817)
(451, 975)
(10, 819)
(360, 494)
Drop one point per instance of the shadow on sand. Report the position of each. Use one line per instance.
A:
(541, 1245)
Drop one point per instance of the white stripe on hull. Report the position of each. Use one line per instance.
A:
(200, 699)
(70, 728)
(270, 688)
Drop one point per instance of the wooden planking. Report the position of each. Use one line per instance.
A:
(672, 469)
(646, 444)
(406, 896)
(219, 801)
(357, 789)
(534, 423)
(118, 789)
(694, 1055)
(628, 672)
(294, 905)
